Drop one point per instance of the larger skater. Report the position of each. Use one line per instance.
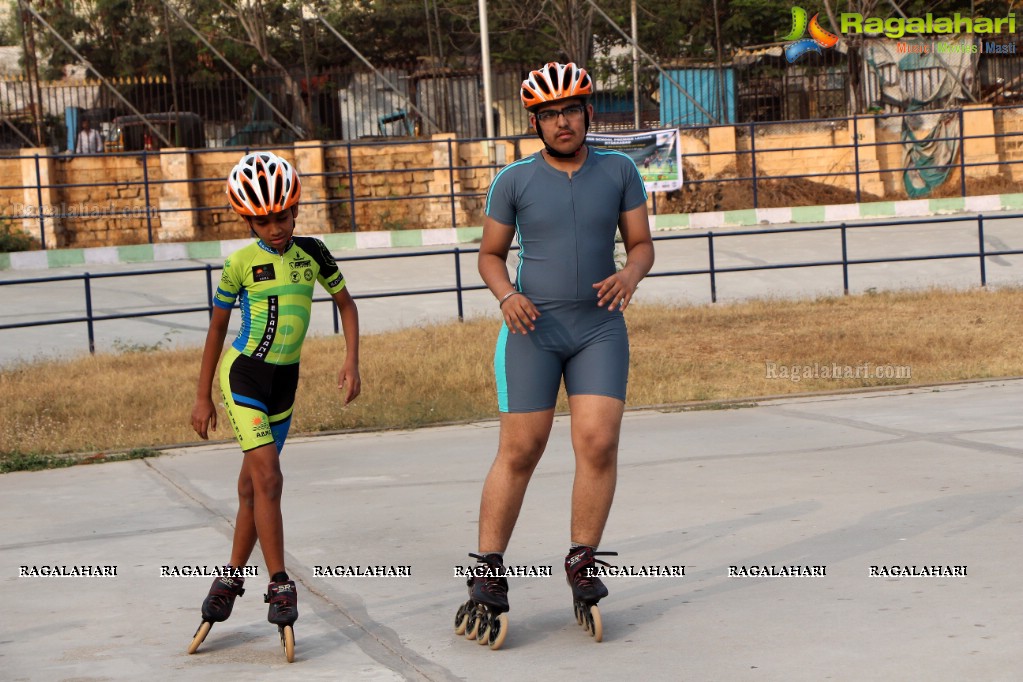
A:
(563, 319)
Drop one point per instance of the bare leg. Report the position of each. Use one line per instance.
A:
(262, 480)
(245, 523)
(596, 427)
(522, 442)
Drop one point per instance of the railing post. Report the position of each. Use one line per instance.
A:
(962, 155)
(351, 187)
(458, 283)
(39, 200)
(983, 257)
(713, 274)
(209, 289)
(845, 263)
(856, 155)
(88, 315)
(451, 182)
(145, 190)
(753, 159)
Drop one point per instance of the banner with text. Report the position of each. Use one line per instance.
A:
(657, 154)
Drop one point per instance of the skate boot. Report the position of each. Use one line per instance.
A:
(587, 588)
(217, 606)
(484, 616)
(283, 612)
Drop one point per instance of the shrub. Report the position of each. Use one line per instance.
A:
(15, 240)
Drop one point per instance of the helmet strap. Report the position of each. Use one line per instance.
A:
(562, 155)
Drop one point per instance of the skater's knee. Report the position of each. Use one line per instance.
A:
(245, 492)
(268, 484)
(522, 451)
(263, 470)
(597, 450)
(522, 458)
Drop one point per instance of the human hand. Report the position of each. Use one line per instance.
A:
(519, 313)
(616, 291)
(204, 417)
(349, 382)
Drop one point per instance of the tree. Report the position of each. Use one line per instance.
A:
(384, 32)
(527, 31)
(120, 29)
(118, 37)
(262, 22)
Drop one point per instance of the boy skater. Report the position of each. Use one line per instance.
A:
(274, 279)
(563, 320)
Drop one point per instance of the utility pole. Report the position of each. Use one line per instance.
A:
(173, 78)
(311, 104)
(720, 88)
(635, 67)
(28, 47)
(488, 96)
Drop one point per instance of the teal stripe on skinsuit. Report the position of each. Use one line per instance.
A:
(500, 370)
(518, 270)
(612, 151)
(522, 253)
(528, 159)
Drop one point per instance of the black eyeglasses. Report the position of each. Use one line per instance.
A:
(572, 113)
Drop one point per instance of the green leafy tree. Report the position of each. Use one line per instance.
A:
(527, 31)
(118, 37)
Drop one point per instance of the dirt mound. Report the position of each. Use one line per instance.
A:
(698, 196)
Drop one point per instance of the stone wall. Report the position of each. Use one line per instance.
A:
(423, 183)
(824, 153)
(983, 154)
(891, 161)
(12, 194)
(1009, 122)
(213, 220)
(104, 199)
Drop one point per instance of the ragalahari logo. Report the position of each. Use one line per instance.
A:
(819, 38)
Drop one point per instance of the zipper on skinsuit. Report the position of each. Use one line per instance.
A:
(280, 314)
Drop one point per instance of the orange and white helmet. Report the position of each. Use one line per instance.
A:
(262, 183)
(553, 82)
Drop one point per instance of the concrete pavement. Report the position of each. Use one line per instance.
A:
(924, 477)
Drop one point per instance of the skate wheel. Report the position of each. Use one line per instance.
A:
(462, 618)
(200, 635)
(578, 613)
(596, 626)
(288, 641)
(483, 631)
(497, 631)
(472, 623)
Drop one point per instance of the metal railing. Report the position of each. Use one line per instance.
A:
(348, 102)
(752, 158)
(712, 271)
(341, 204)
(346, 171)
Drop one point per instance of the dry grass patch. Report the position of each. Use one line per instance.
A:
(444, 373)
(718, 352)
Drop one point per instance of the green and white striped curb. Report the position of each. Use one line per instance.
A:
(837, 213)
(218, 250)
(354, 241)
